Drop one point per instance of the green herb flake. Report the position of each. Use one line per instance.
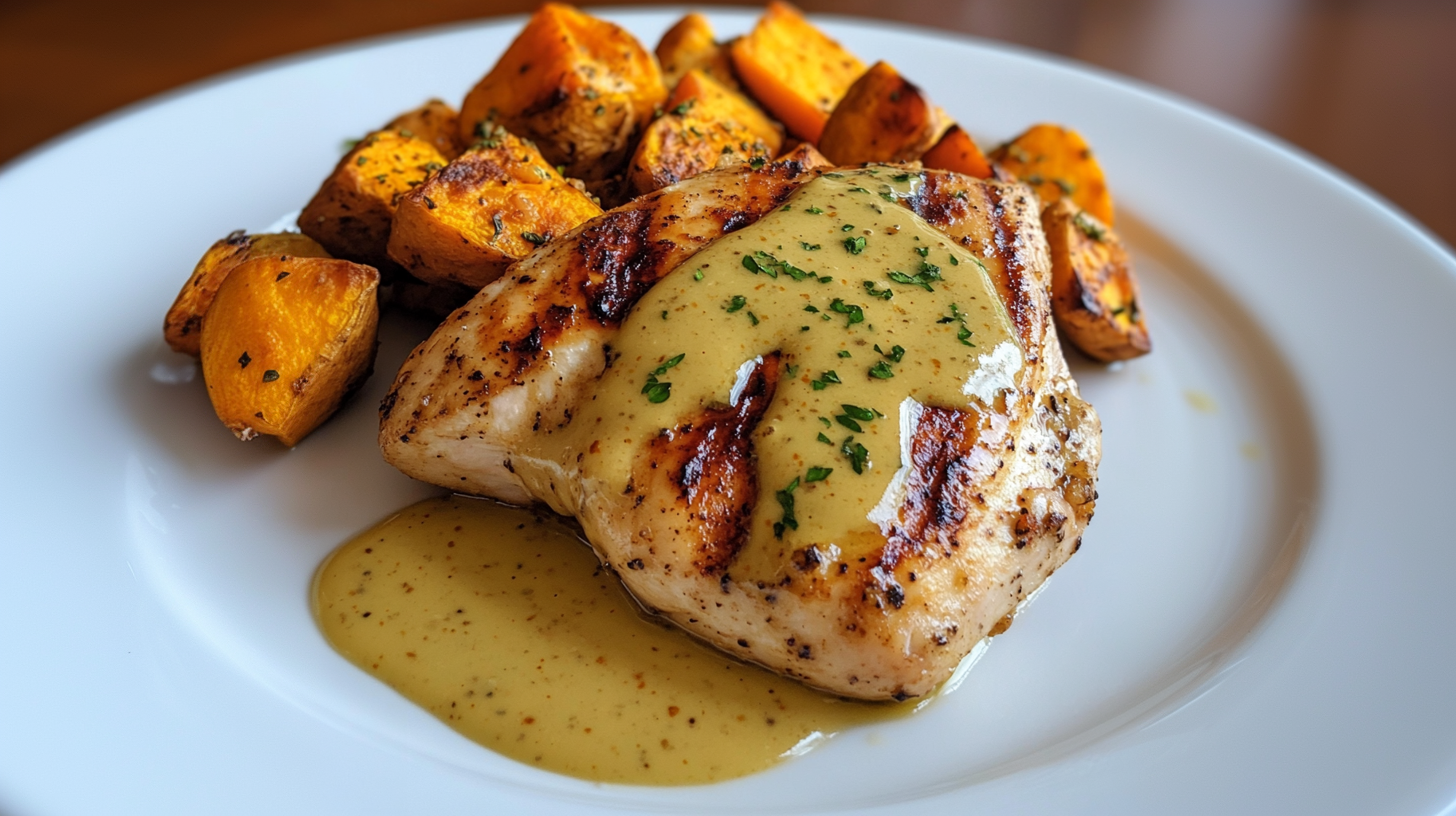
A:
(881, 371)
(853, 314)
(753, 318)
(698, 275)
(817, 474)
(814, 211)
(738, 302)
(500, 226)
(534, 238)
(847, 228)
(928, 272)
(761, 261)
(655, 390)
(664, 314)
(684, 106)
(857, 454)
(808, 247)
(895, 354)
(858, 190)
(1088, 227)
(954, 261)
(848, 422)
(866, 414)
(826, 422)
(786, 501)
(855, 245)
(844, 352)
(811, 308)
(1067, 187)
(270, 375)
(757, 162)
(882, 294)
(822, 438)
(362, 160)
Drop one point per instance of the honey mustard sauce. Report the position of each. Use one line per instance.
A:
(500, 622)
(874, 313)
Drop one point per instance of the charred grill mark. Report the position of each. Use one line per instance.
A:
(1007, 242)
(710, 462)
(621, 262)
(939, 492)
(937, 201)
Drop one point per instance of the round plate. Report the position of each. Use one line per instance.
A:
(1259, 619)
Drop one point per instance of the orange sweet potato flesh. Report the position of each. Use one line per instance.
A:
(957, 151)
(486, 210)
(286, 340)
(581, 88)
(1059, 164)
(705, 124)
(1094, 293)
(351, 213)
(881, 118)
(182, 327)
(436, 123)
(794, 70)
(691, 44)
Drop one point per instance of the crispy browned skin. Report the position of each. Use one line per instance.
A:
(997, 501)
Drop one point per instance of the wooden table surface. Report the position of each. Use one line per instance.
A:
(1367, 85)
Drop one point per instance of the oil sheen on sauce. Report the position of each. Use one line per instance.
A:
(874, 313)
(500, 622)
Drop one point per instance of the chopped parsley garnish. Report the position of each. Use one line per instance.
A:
(928, 272)
(753, 317)
(825, 380)
(698, 275)
(954, 262)
(684, 106)
(761, 261)
(895, 354)
(809, 247)
(270, 375)
(738, 302)
(534, 237)
(858, 190)
(882, 294)
(786, 501)
(855, 245)
(1088, 227)
(922, 251)
(814, 211)
(854, 314)
(817, 474)
(881, 371)
(811, 308)
(857, 454)
(826, 440)
(847, 228)
(362, 160)
(963, 334)
(659, 391)
(826, 422)
(757, 162)
(1067, 187)
(844, 352)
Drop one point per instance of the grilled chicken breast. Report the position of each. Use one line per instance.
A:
(923, 517)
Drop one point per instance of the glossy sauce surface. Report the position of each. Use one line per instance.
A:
(873, 312)
(500, 622)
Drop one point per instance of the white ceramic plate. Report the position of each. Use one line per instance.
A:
(1261, 620)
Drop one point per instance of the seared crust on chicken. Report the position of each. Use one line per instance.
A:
(996, 495)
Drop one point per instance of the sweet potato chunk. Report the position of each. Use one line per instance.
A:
(286, 340)
(1094, 294)
(690, 44)
(351, 212)
(581, 88)
(487, 209)
(957, 152)
(705, 125)
(794, 70)
(183, 325)
(1059, 164)
(882, 118)
(436, 123)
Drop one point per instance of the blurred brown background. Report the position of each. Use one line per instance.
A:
(1367, 85)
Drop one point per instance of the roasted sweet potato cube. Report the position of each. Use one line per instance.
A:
(1059, 164)
(351, 212)
(705, 125)
(183, 325)
(690, 44)
(882, 118)
(436, 123)
(486, 210)
(581, 88)
(794, 70)
(957, 152)
(286, 340)
(1094, 294)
